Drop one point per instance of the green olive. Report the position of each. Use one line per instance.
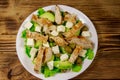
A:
(72, 45)
(79, 61)
(68, 49)
(85, 28)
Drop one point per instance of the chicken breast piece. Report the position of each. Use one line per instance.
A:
(58, 17)
(48, 54)
(41, 21)
(44, 22)
(75, 54)
(83, 41)
(59, 41)
(38, 60)
(70, 17)
(34, 18)
(37, 36)
(74, 29)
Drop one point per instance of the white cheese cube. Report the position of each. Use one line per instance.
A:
(69, 24)
(50, 65)
(30, 42)
(38, 29)
(86, 34)
(60, 28)
(28, 25)
(46, 44)
(82, 53)
(55, 49)
(33, 53)
(54, 33)
(63, 57)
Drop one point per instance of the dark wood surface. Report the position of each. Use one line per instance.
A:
(105, 14)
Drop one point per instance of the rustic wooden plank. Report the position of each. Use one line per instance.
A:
(104, 14)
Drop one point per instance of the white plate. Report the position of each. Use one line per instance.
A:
(27, 63)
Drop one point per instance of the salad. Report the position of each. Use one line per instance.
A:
(57, 42)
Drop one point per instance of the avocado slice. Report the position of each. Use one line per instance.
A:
(62, 65)
(49, 16)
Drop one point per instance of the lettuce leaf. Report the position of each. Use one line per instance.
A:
(27, 50)
(24, 34)
(90, 54)
(76, 68)
(41, 11)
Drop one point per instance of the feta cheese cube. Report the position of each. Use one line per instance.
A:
(63, 57)
(54, 33)
(33, 53)
(69, 24)
(46, 44)
(86, 34)
(82, 53)
(38, 29)
(28, 25)
(30, 42)
(60, 28)
(50, 65)
(55, 49)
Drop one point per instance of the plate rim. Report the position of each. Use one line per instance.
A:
(18, 34)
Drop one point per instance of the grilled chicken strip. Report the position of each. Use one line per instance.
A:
(48, 54)
(74, 29)
(84, 42)
(59, 41)
(70, 17)
(58, 17)
(75, 54)
(37, 36)
(38, 60)
(41, 21)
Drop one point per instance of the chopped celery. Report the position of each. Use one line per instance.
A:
(90, 54)
(62, 65)
(76, 68)
(41, 11)
(27, 50)
(37, 44)
(24, 34)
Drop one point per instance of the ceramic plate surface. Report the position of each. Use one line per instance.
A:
(27, 63)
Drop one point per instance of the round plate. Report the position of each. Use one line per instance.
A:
(27, 63)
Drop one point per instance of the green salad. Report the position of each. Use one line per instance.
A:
(56, 42)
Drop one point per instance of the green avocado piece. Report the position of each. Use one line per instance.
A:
(48, 15)
(62, 65)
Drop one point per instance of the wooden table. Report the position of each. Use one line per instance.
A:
(105, 14)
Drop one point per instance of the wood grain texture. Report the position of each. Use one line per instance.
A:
(105, 14)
